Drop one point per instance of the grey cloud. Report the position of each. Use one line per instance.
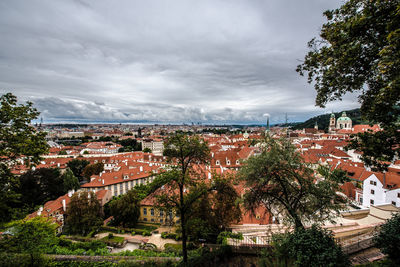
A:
(152, 60)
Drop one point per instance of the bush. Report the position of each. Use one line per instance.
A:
(223, 237)
(388, 239)
(309, 247)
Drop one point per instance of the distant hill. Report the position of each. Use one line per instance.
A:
(323, 120)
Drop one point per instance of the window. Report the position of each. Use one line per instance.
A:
(115, 190)
(394, 203)
(145, 219)
(144, 211)
(161, 220)
(372, 192)
(161, 213)
(126, 187)
(372, 201)
(398, 195)
(152, 220)
(152, 212)
(121, 188)
(372, 182)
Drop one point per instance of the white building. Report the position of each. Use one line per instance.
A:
(381, 188)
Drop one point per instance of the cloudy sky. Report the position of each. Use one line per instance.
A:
(161, 61)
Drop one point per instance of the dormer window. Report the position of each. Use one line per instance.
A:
(237, 162)
(217, 162)
(228, 162)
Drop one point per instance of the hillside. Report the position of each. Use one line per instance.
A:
(323, 120)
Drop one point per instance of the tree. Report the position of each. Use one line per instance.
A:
(308, 247)
(126, 209)
(77, 166)
(41, 185)
(18, 139)
(359, 50)
(185, 187)
(214, 211)
(84, 214)
(388, 239)
(33, 236)
(10, 198)
(92, 169)
(284, 184)
(70, 182)
(147, 150)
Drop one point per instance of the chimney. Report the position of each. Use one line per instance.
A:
(100, 174)
(58, 165)
(103, 181)
(141, 168)
(384, 179)
(70, 192)
(64, 204)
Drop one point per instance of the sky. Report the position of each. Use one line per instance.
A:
(217, 61)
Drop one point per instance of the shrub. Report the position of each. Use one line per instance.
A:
(309, 247)
(223, 237)
(388, 239)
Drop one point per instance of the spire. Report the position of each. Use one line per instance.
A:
(268, 124)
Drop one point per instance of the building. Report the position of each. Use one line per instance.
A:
(381, 188)
(155, 145)
(344, 122)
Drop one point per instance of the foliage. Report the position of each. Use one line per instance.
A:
(205, 257)
(223, 237)
(388, 239)
(77, 166)
(17, 139)
(170, 235)
(130, 144)
(17, 135)
(283, 183)
(41, 185)
(359, 50)
(10, 198)
(70, 182)
(309, 247)
(126, 209)
(84, 213)
(147, 150)
(184, 185)
(214, 211)
(92, 169)
(31, 236)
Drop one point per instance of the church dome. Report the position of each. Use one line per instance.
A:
(344, 117)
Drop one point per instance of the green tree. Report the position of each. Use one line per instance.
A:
(32, 237)
(84, 214)
(184, 185)
(214, 211)
(147, 150)
(307, 247)
(62, 152)
(126, 209)
(18, 140)
(77, 166)
(92, 169)
(359, 50)
(41, 185)
(280, 180)
(70, 181)
(388, 239)
(10, 198)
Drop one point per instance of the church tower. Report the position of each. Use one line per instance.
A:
(332, 123)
